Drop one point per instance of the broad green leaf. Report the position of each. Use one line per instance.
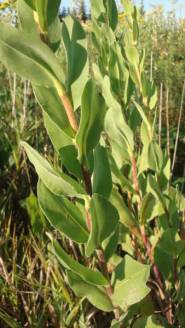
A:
(105, 219)
(148, 322)
(62, 214)
(91, 124)
(130, 285)
(47, 11)
(128, 6)
(58, 183)
(52, 10)
(118, 177)
(145, 119)
(102, 180)
(31, 3)
(69, 158)
(97, 296)
(64, 146)
(110, 244)
(37, 220)
(155, 157)
(126, 217)
(167, 250)
(29, 58)
(58, 137)
(29, 25)
(51, 103)
(26, 18)
(132, 55)
(88, 275)
(112, 13)
(75, 44)
(54, 34)
(120, 134)
(154, 189)
(150, 208)
(153, 97)
(97, 8)
(41, 9)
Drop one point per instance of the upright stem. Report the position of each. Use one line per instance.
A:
(160, 113)
(178, 128)
(69, 111)
(167, 122)
(151, 66)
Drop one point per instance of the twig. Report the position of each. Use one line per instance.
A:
(151, 66)
(160, 113)
(178, 128)
(167, 122)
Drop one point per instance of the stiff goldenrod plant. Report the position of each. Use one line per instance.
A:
(110, 198)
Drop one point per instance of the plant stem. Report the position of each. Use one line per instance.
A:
(178, 128)
(167, 122)
(69, 111)
(87, 180)
(160, 113)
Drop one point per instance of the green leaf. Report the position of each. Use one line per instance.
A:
(26, 18)
(58, 137)
(145, 120)
(130, 284)
(155, 157)
(29, 57)
(150, 208)
(119, 133)
(29, 25)
(126, 217)
(105, 219)
(58, 183)
(97, 296)
(62, 214)
(153, 188)
(88, 275)
(148, 322)
(166, 251)
(102, 180)
(91, 123)
(46, 10)
(132, 55)
(128, 6)
(51, 103)
(31, 3)
(69, 158)
(64, 146)
(118, 177)
(37, 220)
(41, 9)
(75, 44)
(54, 34)
(112, 13)
(110, 244)
(97, 8)
(52, 10)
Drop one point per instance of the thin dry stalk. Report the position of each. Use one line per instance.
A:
(25, 102)
(178, 128)
(160, 114)
(167, 122)
(151, 66)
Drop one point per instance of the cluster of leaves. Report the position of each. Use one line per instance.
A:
(109, 196)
